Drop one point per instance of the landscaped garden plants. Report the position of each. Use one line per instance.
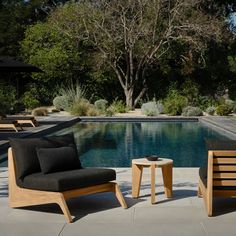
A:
(176, 53)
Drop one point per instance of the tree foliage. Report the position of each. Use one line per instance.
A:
(131, 36)
(61, 60)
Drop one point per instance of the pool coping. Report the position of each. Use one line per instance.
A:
(218, 125)
(138, 119)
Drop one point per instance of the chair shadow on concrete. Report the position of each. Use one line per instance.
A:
(3, 185)
(223, 206)
(82, 206)
(3, 191)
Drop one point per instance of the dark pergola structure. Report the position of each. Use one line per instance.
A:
(8, 65)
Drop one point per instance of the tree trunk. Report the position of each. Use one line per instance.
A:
(129, 98)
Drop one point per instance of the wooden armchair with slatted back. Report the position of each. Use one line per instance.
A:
(219, 178)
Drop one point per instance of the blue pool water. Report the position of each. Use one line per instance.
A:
(115, 144)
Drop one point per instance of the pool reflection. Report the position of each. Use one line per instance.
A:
(115, 144)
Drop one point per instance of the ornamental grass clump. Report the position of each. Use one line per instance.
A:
(211, 110)
(192, 111)
(69, 96)
(40, 111)
(83, 108)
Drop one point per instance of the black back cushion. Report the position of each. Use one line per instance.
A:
(25, 155)
(220, 144)
(58, 159)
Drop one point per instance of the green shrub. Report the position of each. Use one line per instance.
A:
(223, 110)
(83, 108)
(205, 101)
(211, 110)
(234, 109)
(174, 102)
(160, 107)
(118, 106)
(61, 103)
(150, 109)
(29, 100)
(192, 111)
(230, 103)
(190, 90)
(101, 105)
(109, 111)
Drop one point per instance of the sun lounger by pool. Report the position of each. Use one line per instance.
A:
(10, 124)
(23, 120)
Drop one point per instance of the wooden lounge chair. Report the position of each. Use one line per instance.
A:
(24, 120)
(30, 184)
(10, 124)
(218, 179)
(20, 119)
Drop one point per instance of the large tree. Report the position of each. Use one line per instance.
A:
(130, 36)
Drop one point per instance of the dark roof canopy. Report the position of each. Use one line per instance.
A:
(11, 65)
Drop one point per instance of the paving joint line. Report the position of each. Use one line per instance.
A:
(134, 215)
(62, 229)
(204, 228)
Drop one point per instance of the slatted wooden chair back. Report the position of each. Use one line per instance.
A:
(222, 173)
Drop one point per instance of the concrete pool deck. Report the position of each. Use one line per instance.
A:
(101, 214)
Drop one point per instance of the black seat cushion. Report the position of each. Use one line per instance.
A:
(67, 180)
(58, 159)
(24, 151)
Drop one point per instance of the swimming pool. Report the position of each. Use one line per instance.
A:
(115, 144)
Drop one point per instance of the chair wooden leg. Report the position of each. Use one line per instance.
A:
(153, 184)
(209, 204)
(32, 123)
(36, 123)
(119, 196)
(62, 203)
(15, 128)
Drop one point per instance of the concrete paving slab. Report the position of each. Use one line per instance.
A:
(169, 214)
(219, 228)
(140, 229)
(29, 229)
(101, 214)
